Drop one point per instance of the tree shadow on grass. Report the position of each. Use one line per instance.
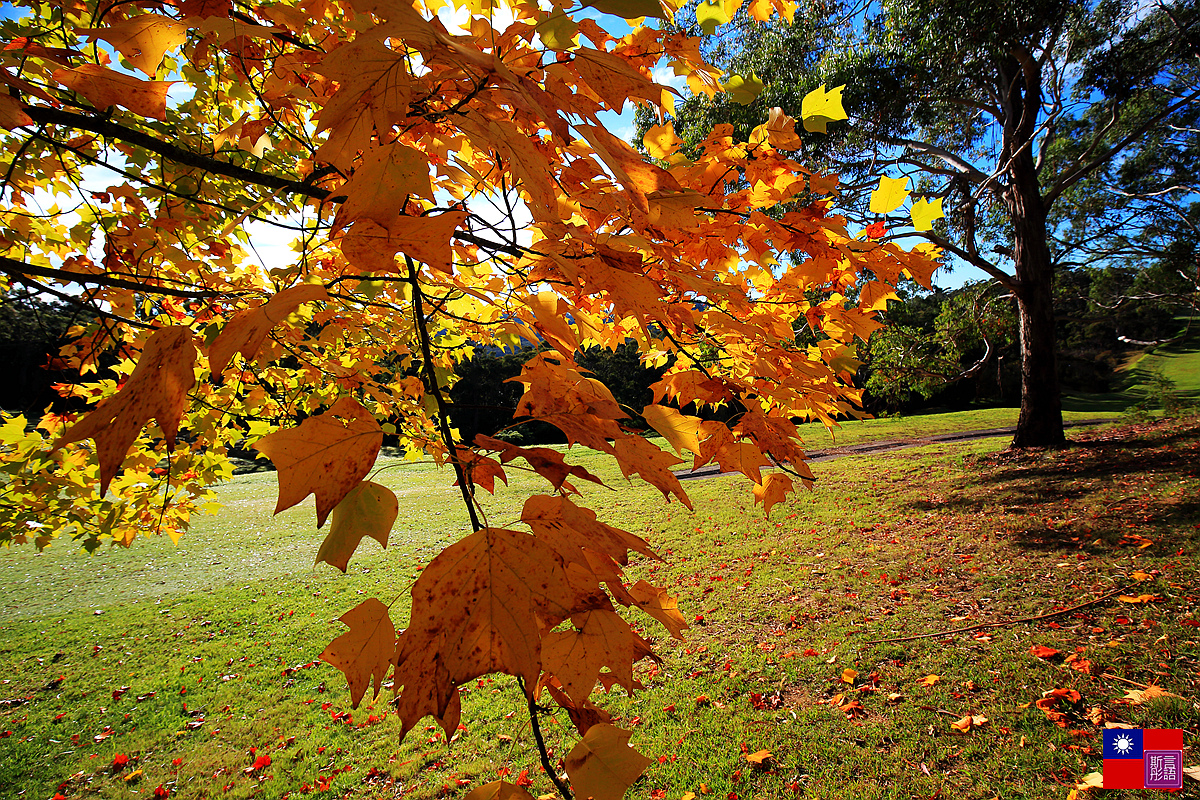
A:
(1123, 489)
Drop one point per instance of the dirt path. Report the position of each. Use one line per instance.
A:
(884, 446)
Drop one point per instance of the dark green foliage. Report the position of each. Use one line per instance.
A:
(484, 399)
(31, 331)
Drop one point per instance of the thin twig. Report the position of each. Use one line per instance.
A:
(541, 743)
(1000, 624)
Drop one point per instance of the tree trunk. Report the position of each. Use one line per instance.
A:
(1040, 423)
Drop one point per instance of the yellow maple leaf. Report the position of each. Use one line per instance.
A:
(820, 107)
(661, 141)
(368, 510)
(924, 212)
(558, 31)
(890, 195)
(743, 89)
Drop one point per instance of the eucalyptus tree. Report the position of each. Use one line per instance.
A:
(1000, 112)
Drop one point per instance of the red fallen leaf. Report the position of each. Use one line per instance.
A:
(176, 762)
(523, 779)
(262, 762)
(161, 793)
(119, 693)
(1043, 652)
(119, 761)
(669, 709)
(810, 652)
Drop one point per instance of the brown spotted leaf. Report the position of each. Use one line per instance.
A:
(478, 608)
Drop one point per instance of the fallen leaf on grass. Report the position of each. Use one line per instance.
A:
(929, 680)
(1096, 715)
(133, 777)
(702, 700)
(853, 710)
(688, 796)
(760, 757)
(1141, 576)
(1141, 598)
(1052, 700)
(968, 722)
(848, 675)
(1040, 651)
(1093, 780)
(1192, 772)
(1138, 697)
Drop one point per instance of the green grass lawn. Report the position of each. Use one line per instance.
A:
(195, 660)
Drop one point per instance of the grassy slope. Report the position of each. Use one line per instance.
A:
(1179, 362)
(923, 540)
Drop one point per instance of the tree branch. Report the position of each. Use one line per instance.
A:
(10, 266)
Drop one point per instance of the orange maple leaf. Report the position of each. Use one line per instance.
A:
(603, 765)
(478, 608)
(600, 638)
(156, 389)
(104, 87)
(246, 330)
(365, 652)
(326, 455)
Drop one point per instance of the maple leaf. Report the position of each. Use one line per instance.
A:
(636, 455)
(924, 212)
(710, 14)
(759, 757)
(774, 489)
(364, 653)
(680, 430)
(819, 108)
(156, 389)
(477, 608)
(245, 332)
(603, 765)
(743, 90)
(655, 601)
(1040, 651)
(781, 130)
(600, 638)
(499, 790)
(142, 39)
(382, 183)
(661, 141)
(326, 455)
(548, 463)
(367, 510)
(104, 88)
(1139, 697)
(370, 246)
(890, 195)
(12, 115)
